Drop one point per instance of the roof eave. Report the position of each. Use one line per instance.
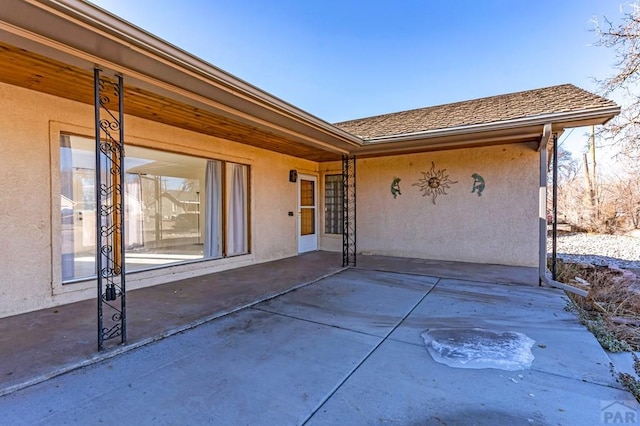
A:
(112, 32)
(134, 52)
(520, 130)
(151, 44)
(559, 120)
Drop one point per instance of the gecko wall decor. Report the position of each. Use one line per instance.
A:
(434, 183)
(395, 187)
(478, 184)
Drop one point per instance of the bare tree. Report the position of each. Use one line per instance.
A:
(609, 204)
(568, 191)
(627, 201)
(624, 39)
(625, 190)
(567, 166)
(570, 203)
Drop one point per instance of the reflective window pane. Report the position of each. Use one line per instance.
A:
(166, 196)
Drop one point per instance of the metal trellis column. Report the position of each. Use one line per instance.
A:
(348, 210)
(110, 267)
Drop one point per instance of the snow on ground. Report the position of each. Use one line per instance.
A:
(479, 348)
(599, 249)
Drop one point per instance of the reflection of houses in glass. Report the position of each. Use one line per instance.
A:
(160, 210)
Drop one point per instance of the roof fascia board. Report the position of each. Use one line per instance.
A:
(556, 118)
(390, 149)
(108, 25)
(438, 144)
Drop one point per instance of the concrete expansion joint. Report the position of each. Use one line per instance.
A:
(113, 352)
(293, 317)
(616, 385)
(367, 356)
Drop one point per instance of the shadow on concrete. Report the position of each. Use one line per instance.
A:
(42, 344)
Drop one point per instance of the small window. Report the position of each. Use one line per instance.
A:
(333, 204)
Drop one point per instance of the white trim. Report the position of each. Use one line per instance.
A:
(308, 243)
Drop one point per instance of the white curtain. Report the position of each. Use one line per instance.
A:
(237, 237)
(212, 210)
(67, 210)
(134, 237)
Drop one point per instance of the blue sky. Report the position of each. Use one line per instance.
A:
(341, 60)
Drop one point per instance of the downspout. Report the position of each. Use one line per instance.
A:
(554, 197)
(543, 273)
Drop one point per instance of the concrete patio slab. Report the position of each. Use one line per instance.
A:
(400, 384)
(365, 301)
(563, 345)
(38, 345)
(479, 272)
(251, 367)
(309, 357)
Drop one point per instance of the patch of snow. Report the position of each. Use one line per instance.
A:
(479, 348)
(598, 249)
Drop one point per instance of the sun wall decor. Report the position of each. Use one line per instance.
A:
(434, 183)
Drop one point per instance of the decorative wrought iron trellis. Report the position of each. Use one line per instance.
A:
(348, 210)
(110, 208)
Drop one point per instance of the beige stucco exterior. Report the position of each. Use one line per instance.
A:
(498, 227)
(29, 171)
(51, 51)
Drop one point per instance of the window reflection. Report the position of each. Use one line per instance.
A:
(172, 208)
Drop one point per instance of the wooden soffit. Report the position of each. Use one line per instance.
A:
(24, 68)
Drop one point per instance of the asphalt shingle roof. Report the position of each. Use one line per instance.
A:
(530, 103)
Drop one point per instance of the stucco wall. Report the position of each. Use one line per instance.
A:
(30, 125)
(498, 227)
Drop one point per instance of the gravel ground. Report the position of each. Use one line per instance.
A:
(599, 249)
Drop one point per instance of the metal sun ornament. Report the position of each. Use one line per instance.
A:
(434, 183)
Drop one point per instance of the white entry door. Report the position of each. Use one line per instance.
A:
(307, 213)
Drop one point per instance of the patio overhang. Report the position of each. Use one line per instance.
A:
(52, 46)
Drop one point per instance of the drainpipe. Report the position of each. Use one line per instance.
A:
(554, 197)
(544, 275)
